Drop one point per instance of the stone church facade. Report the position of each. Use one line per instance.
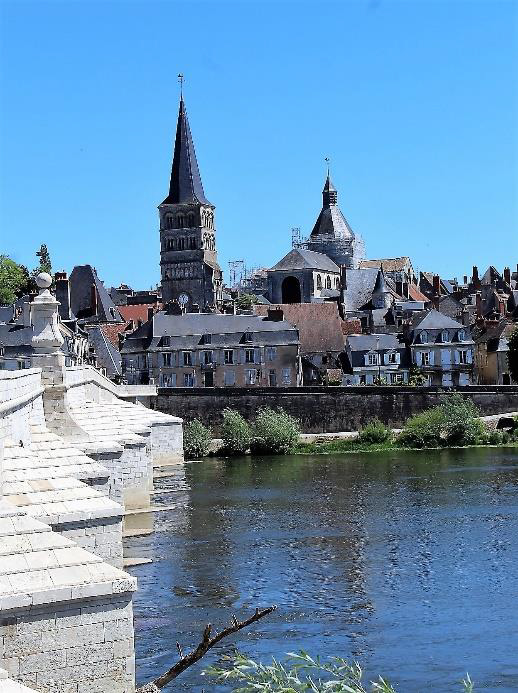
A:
(190, 273)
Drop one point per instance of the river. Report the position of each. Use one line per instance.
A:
(405, 562)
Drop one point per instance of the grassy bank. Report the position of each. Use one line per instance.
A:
(330, 447)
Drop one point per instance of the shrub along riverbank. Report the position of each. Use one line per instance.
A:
(455, 423)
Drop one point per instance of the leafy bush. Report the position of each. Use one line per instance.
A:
(196, 440)
(374, 432)
(454, 422)
(274, 432)
(301, 672)
(235, 432)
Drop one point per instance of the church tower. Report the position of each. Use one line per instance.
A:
(332, 234)
(190, 273)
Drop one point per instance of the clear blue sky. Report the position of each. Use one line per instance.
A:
(415, 102)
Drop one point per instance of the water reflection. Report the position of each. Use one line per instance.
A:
(404, 561)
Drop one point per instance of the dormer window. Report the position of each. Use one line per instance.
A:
(207, 339)
(166, 341)
(423, 337)
(445, 337)
(462, 335)
(248, 336)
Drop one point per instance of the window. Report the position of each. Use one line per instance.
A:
(423, 337)
(392, 357)
(250, 376)
(166, 359)
(463, 356)
(207, 357)
(192, 243)
(337, 282)
(229, 356)
(187, 358)
(272, 378)
(372, 359)
(363, 380)
(179, 220)
(445, 337)
(248, 336)
(319, 282)
(181, 243)
(249, 356)
(188, 379)
(207, 339)
(166, 341)
(425, 358)
(271, 353)
(462, 335)
(229, 378)
(396, 378)
(286, 376)
(169, 221)
(167, 380)
(328, 282)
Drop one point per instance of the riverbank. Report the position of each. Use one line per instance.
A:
(348, 445)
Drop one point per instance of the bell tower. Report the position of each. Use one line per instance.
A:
(190, 273)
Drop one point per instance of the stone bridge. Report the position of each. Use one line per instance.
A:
(76, 463)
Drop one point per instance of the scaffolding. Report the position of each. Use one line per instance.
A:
(237, 271)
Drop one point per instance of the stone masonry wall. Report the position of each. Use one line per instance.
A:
(105, 540)
(327, 409)
(79, 648)
(21, 403)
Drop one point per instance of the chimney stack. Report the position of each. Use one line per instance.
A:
(474, 278)
(436, 285)
(150, 313)
(501, 307)
(465, 279)
(63, 295)
(275, 314)
(507, 276)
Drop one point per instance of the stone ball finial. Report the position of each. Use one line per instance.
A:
(43, 280)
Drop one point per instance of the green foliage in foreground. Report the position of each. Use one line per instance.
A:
(301, 672)
(455, 422)
(196, 440)
(235, 432)
(13, 280)
(374, 432)
(274, 432)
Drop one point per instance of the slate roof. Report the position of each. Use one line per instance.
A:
(185, 186)
(298, 259)
(108, 356)
(415, 294)
(360, 285)
(319, 325)
(433, 320)
(368, 342)
(81, 280)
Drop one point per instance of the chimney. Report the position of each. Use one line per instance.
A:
(399, 288)
(150, 313)
(465, 279)
(474, 278)
(507, 276)
(63, 295)
(406, 292)
(501, 307)
(93, 299)
(465, 317)
(479, 302)
(436, 285)
(343, 277)
(275, 314)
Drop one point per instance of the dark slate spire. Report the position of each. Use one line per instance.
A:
(185, 186)
(329, 193)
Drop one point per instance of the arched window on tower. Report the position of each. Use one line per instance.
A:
(319, 282)
(181, 243)
(192, 243)
(337, 282)
(170, 221)
(179, 221)
(191, 220)
(328, 282)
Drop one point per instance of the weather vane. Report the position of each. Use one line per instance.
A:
(180, 79)
(327, 160)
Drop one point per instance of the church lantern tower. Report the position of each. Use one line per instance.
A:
(190, 273)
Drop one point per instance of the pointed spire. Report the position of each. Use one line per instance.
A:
(329, 193)
(185, 185)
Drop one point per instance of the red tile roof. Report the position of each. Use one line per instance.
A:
(137, 312)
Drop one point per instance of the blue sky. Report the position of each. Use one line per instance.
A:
(414, 102)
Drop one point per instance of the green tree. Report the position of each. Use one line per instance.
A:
(14, 279)
(512, 355)
(246, 301)
(45, 262)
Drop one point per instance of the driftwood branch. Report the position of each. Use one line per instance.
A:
(202, 648)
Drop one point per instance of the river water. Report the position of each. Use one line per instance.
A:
(405, 562)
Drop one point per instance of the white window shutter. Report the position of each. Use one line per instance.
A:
(470, 356)
(366, 359)
(456, 358)
(432, 360)
(385, 358)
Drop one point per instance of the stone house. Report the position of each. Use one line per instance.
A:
(303, 276)
(491, 350)
(441, 348)
(398, 269)
(212, 350)
(374, 358)
(321, 337)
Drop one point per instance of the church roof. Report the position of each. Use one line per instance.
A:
(298, 259)
(331, 221)
(185, 186)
